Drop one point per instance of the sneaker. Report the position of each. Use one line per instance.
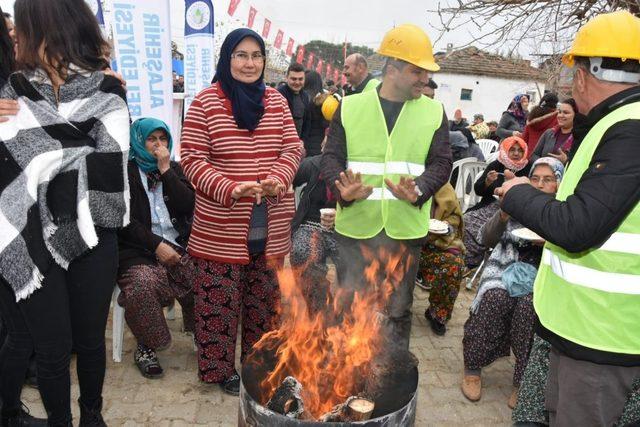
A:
(420, 283)
(23, 419)
(147, 362)
(437, 327)
(232, 384)
(472, 387)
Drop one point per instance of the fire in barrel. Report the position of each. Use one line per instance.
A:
(333, 357)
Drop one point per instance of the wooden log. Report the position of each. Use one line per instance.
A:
(353, 409)
(360, 409)
(287, 399)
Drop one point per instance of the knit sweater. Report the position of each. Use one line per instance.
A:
(217, 155)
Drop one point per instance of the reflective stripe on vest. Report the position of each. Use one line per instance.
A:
(378, 155)
(592, 298)
(399, 168)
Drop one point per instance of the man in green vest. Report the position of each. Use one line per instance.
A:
(587, 292)
(356, 71)
(387, 153)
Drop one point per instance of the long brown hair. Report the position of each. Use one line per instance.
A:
(7, 55)
(67, 29)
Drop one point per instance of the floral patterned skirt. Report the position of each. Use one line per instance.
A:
(442, 271)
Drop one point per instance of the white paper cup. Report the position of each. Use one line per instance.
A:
(327, 217)
(327, 212)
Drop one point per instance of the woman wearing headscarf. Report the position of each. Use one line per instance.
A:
(502, 317)
(512, 155)
(153, 267)
(240, 150)
(442, 260)
(513, 120)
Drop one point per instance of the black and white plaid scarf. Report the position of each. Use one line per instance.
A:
(63, 172)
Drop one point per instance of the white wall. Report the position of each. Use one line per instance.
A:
(490, 97)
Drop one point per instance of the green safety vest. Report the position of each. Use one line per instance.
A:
(377, 155)
(371, 84)
(592, 298)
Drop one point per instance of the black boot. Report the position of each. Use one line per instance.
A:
(91, 417)
(22, 418)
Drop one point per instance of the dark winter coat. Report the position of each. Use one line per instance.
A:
(608, 190)
(136, 242)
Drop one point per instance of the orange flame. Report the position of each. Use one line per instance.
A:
(329, 352)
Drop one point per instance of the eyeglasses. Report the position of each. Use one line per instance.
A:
(546, 180)
(244, 57)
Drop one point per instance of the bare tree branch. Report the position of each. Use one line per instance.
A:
(499, 23)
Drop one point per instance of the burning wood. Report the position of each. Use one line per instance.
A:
(353, 409)
(328, 342)
(287, 399)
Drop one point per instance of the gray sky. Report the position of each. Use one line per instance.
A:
(359, 21)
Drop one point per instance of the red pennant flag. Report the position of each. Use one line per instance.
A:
(336, 75)
(344, 80)
(319, 67)
(290, 47)
(300, 55)
(266, 28)
(328, 73)
(278, 42)
(233, 5)
(252, 16)
(310, 59)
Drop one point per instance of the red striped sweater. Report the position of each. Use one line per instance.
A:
(216, 155)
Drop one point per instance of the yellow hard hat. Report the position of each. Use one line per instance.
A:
(609, 35)
(411, 44)
(329, 106)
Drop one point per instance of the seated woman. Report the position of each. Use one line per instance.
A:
(441, 260)
(512, 156)
(152, 269)
(502, 315)
(557, 141)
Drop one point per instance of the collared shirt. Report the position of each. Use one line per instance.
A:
(160, 219)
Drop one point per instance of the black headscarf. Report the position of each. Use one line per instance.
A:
(246, 98)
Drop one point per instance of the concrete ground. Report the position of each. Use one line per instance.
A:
(179, 399)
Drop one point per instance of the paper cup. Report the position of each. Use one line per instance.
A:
(327, 212)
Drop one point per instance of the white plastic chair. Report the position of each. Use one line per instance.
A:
(492, 157)
(469, 173)
(488, 146)
(456, 166)
(117, 330)
(117, 333)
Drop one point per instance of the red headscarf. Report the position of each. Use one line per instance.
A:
(503, 156)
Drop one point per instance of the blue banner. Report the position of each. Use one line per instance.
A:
(199, 61)
(198, 17)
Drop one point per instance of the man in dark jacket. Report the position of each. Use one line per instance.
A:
(356, 70)
(297, 99)
(586, 294)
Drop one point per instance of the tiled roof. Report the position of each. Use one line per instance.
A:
(472, 60)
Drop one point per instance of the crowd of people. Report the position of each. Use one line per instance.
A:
(309, 172)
